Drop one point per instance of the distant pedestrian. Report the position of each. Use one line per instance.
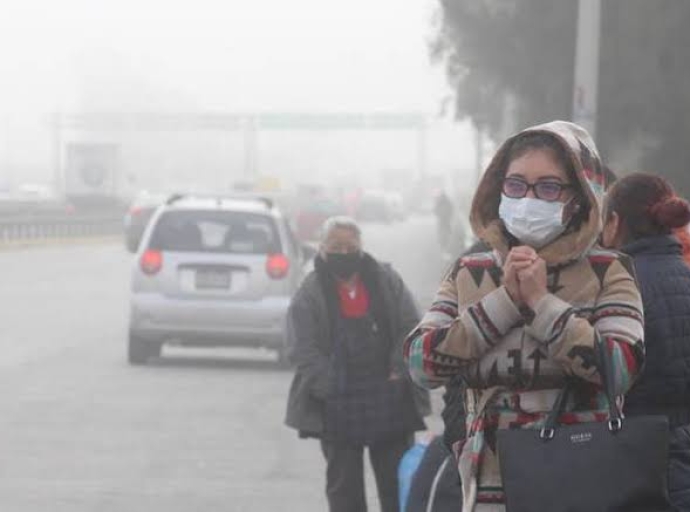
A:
(346, 326)
(443, 210)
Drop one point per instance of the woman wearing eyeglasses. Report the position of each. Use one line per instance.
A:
(516, 321)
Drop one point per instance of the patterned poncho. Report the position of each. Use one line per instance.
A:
(514, 362)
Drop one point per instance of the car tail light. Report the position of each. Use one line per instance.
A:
(135, 210)
(277, 266)
(151, 262)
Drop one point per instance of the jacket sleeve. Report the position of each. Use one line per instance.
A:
(303, 348)
(617, 319)
(449, 338)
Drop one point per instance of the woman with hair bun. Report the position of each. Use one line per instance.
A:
(641, 214)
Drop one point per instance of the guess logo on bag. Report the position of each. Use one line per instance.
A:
(583, 437)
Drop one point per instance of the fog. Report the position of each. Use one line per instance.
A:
(166, 171)
(124, 127)
(216, 57)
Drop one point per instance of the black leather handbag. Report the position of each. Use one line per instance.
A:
(619, 465)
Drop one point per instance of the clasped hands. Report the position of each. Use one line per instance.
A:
(524, 276)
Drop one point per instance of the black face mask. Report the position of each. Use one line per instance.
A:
(344, 266)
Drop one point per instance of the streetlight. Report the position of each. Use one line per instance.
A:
(587, 65)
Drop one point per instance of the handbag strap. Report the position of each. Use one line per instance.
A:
(548, 431)
(476, 408)
(434, 486)
(615, 419)
(606, 372)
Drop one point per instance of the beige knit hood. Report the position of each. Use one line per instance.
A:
(585, 161)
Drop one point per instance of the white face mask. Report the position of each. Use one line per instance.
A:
(534, 222)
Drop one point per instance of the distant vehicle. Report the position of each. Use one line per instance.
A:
(396, 204)
(310, 214)
(137, 217)
(35, 192)
(377, 206)
(35, 201)
(214, 271)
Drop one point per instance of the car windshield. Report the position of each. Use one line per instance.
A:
(215, 232)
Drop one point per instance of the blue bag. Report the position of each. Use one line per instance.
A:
(406, 470)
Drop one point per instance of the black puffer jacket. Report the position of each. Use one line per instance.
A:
(664, 386)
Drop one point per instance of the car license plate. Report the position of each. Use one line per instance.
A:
(212, 279)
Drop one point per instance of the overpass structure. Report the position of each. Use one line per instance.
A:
(249, 125)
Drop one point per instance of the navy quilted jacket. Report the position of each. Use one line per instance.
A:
(664, 280)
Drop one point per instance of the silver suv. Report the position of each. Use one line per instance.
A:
(213, 271)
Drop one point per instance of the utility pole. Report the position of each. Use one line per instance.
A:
(422, 143)
(587, 65)
(59, 185)
(7, 184)
(251, 150)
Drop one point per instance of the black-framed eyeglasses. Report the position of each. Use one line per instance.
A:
(517, 188)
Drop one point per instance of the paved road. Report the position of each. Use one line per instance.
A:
(83, 431)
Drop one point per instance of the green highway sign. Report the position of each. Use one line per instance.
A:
(151, 121)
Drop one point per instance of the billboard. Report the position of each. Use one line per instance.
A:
(91, 169)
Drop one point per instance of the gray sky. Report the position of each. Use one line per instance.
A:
(218, 54)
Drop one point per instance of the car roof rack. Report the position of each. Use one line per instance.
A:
(174, 198)
(266, 201)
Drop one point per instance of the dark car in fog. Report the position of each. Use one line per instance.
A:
(138, 215)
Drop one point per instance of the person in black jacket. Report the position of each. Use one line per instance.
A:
(640, 214)
(351, 390)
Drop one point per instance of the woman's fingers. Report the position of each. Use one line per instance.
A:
(522, 253)
(527, 270)
(523, 249)
(533, 282)
(517, 266)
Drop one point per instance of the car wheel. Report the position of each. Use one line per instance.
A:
(283, 361)
(139, 351)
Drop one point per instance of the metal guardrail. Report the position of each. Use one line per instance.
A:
(32, 229)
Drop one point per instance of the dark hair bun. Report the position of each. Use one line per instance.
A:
(672, 212)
